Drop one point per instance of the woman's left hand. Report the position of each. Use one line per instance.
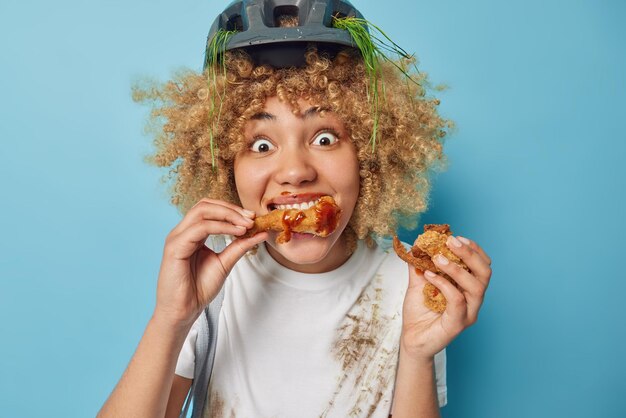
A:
(424, 332)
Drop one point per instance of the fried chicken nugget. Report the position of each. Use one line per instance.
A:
(433, 242)
(320, 220)
(427, 245)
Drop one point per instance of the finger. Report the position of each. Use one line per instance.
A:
(214, 210)
(210, 278)
(244, 212)
(236, 249)
(476, 248)
(473, 289)
(183, 245)
(464, 278)
(476, 263)
(456, 305)
(211, 203)
(416, 277)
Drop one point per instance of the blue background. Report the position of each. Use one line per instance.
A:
(536, 176)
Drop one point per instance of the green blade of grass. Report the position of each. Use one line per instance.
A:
(373, 48)
(214, 60)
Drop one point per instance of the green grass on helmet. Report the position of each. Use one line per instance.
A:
(371, 41)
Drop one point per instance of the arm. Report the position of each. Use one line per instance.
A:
(145, 386)
(178, 394)
(425, 333)
(190, 277)
(409, 402)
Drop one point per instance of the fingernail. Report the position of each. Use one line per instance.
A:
(440, 259)
(464, 240)
(430, 274)
(454, 242)
(248, 213)
(243, 228)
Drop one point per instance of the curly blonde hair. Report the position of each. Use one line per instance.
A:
(395, 178)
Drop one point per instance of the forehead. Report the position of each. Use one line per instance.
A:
(275, 110)
(274, 106)
(280, 121)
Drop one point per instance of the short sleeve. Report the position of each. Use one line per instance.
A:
(440, 378)
(187, 357)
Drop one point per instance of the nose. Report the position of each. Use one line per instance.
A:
(294, 167)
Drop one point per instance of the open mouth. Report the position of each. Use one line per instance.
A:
(298, 206)
(302, 214)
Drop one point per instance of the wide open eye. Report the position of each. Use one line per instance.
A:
(325, 139)
(261, 145)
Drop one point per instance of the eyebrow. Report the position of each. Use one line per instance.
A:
(307, 114)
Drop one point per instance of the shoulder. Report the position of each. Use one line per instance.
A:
(389, 270)
(390, 263)
(379, 259)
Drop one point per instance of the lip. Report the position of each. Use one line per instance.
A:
(287, 198)
(297, 236)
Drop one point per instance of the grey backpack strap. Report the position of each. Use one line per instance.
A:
(205, 349)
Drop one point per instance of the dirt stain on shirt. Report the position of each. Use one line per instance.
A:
(368, 364)
(217, 407)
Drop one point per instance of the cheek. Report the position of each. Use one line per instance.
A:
(248, 181)
(344, 174)
(350, 170)
(349, 180)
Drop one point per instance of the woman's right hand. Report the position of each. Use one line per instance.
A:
(191, 275)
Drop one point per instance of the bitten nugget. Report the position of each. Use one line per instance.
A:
(427, 245)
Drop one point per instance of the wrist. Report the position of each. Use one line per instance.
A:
(415, 356)
(170, 324)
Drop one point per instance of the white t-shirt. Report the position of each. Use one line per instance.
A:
(308, 345)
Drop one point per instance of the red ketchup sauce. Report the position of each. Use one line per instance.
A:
(326, 214)
(290, 221)
(327, 217)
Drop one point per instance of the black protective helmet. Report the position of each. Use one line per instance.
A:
(258, 32)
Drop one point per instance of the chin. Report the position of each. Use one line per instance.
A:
(304, 249)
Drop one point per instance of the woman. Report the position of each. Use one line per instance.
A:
(316, 326)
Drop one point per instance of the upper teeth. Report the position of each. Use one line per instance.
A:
(299, 206)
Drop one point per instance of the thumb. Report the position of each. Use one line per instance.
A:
(416, 277)
(236, 249)
(211, 279)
